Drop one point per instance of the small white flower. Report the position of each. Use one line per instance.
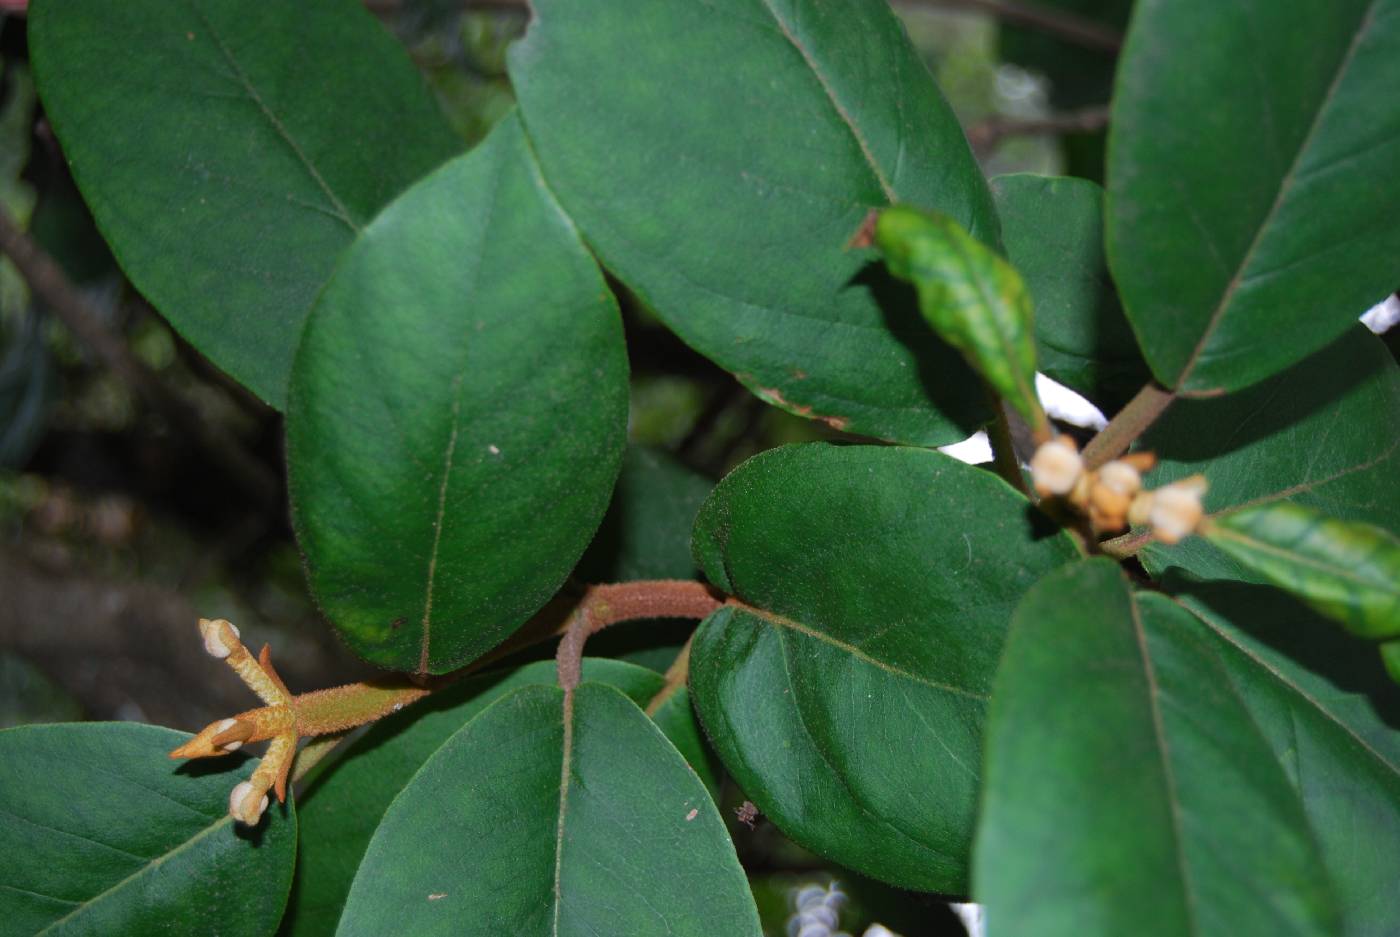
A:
(1056, 467)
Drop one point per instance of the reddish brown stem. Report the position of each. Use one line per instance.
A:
(1130, 423)
(602, 606)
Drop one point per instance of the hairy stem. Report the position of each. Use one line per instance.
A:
(1130, 423)
(627, 601)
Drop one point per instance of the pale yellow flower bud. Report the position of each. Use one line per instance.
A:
(220, 637)
(246, 804)
(1177, 510)
(1055, 467)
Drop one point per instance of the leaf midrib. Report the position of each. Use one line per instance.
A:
(1284, 188)
(153, 864)
(830, 93)
(340, 211)
(773, 618)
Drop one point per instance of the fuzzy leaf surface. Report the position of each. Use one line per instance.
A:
(458, 414)
(104, 835)
(729, 211)
(845, 688)
(342, 809)
(225, 169)
(544, 818)
(1129, 790)
(1249, 233)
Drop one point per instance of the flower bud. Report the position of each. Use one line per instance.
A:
(1056, 466)
(1176, 509)
(220, 637)
(1121, 477)
(245, 804)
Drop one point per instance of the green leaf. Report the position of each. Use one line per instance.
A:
(1348, 571)
(846, 693)
(342, 809)
(104, 835)
(234, 158)
(1248, 232)
(1128, 789)
(973, 298)
(1330, 713)
(646, 532)
(1325, 434)
(457, 414)
(553, 816)
(725, 194)
(1053, 230)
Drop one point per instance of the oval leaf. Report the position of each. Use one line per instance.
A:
(729, 211)
(339, 813)
(1348, 571)
(104, 834)
(1325, 434)
(1329, 712)
(1128, 789)
(845, 689)
(219, 162)
(1052, 227)
(1246, 234)
(973, 298)
(547, 815)
(457, 416)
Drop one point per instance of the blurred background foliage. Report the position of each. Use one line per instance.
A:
(117, 532)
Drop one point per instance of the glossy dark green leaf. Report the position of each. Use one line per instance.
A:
(725, 194)
(1347, 570)
(972, 297)
(1331, 715)
(1052, 227)
(1128, 789)
(646, 532)
(545, 818)
(1249, 231)
(457, 414)
(1325, 434)
(104, 835)
(846, 695)
(342, 809)
(231, 161)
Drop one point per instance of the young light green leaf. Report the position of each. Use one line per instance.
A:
(974, 299)
(341, 810)
(550, 815)
(845, 689)
(728, 211)
(103, 834)
(1128, 789)
(457, 414)
(1347, 570)
(218, 162)
(1249, 232)
(1052, 227)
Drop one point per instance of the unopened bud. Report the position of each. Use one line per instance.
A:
(220, 637)
(1176, 509)
(1121, 478)
(245, 804)
(1056, 466)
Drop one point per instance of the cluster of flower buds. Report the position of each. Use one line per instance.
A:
(1112, 496)
(276, 722)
